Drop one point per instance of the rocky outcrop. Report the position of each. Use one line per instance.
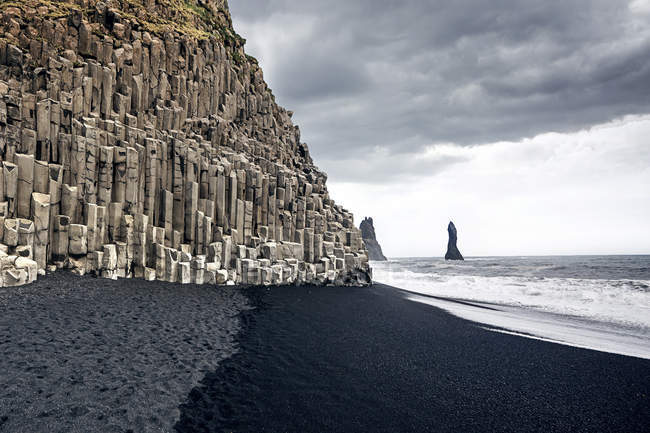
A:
(370, 239)
(452, 249)
(137, 139)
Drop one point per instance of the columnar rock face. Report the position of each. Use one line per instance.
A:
(370, 240)
(138, 140)
(452, 250)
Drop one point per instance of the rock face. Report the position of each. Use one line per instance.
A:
(137, 139)
(452, 249)
(370, 239)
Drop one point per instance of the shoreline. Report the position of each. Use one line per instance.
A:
(340, 359)
(556, 328)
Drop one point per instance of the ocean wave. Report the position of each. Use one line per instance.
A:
(624, 302)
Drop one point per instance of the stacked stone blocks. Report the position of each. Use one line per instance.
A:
(156, 157)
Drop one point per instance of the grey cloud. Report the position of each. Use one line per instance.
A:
(385, 169)
(401, 75)
(324, 75)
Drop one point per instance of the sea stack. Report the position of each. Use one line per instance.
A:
(452, 248)
(137, 139)
(370, 239)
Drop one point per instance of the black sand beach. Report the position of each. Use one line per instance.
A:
(80, 354)
(338, 359)
(84, 354)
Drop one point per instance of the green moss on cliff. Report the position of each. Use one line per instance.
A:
(197, 19)
(54, 9)
(191, 17)
(183, 16)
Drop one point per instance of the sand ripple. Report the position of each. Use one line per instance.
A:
(85, 354)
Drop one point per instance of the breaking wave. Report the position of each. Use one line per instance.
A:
(580, 287)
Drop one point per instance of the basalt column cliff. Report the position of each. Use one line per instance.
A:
(138, 140)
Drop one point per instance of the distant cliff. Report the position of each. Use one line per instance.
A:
(452, 249)
(370, 239)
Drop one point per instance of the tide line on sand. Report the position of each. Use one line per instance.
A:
(337, 359)
(545, 326)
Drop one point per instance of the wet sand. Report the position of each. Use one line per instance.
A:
(80, 354)
(361, 360)
(557, 328)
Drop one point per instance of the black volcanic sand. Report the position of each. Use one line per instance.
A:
(80, 354)
(361, 360)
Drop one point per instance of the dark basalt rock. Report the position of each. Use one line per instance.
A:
(452, 249)
(370, 239)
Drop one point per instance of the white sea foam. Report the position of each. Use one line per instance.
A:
(617, 301)
(554, 328)
(601, 303)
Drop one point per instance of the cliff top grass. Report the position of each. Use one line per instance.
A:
(200, 19)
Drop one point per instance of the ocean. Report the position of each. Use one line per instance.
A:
(552, 297)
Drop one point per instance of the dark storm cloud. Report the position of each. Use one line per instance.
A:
(363, 75)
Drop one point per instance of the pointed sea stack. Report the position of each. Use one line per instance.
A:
(452, 249)
(370, 239)
(138, 140)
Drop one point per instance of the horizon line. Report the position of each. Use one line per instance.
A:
(523, 255)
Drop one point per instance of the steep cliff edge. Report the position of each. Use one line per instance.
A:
(370, 239)
(138, 139)
(452, 249)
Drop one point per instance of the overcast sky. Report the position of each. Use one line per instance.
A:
(526, 122)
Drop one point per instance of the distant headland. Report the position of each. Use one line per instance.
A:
(370, 239)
